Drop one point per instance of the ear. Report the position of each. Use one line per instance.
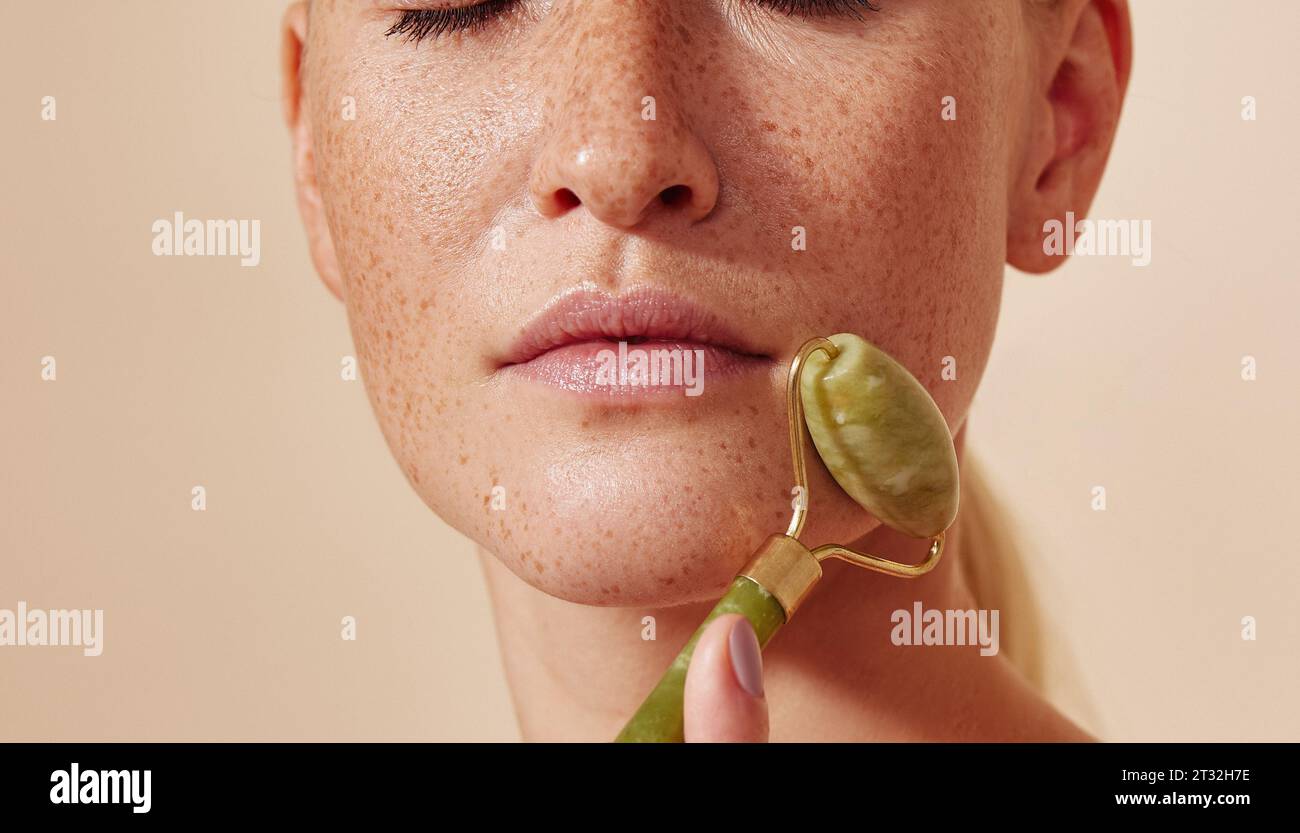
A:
(298, 117)
(1078, 91)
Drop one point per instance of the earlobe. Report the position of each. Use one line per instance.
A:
(1074, 114)
(297, 117)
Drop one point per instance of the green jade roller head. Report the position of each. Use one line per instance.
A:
(885, 443)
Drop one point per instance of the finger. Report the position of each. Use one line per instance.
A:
(724, 700)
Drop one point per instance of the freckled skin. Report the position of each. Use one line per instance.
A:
(532, 129)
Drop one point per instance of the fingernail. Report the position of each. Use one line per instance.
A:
(746, 657)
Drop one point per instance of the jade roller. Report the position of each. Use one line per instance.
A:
(885, 443)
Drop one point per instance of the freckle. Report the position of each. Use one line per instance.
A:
(463, 459)
(667, 580)
(609, 533)
(753, 443)
(723, 445)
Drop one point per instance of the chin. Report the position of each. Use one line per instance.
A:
(650, 520)
(674, 568)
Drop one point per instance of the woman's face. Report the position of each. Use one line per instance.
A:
(715, 175)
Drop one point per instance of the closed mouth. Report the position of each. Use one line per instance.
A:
(582, 341)
(644, 317)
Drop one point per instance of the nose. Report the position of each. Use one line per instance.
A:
(618, 141)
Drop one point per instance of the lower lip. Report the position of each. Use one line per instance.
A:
(601, 369)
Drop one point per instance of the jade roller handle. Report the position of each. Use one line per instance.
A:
(766, 593)
(660, 717)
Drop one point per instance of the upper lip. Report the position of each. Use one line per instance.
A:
(643, 314)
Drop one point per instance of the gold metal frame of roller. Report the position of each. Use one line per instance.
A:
(794, 407)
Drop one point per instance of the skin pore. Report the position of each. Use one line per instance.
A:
(488, 172)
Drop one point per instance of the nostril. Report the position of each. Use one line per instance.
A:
(566, 199)
(675, 195)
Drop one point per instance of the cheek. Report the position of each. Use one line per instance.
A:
(408, 188)
(903, 211)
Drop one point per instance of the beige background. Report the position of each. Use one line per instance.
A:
(174, 372)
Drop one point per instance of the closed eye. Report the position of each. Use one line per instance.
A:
(821, 8)
(414, 25)
(417, 24)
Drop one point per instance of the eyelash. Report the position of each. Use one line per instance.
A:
(417, 24)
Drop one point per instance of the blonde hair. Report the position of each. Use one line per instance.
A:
(994, 570)
(993, 565)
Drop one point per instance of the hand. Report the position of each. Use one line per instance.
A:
(724, 700)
